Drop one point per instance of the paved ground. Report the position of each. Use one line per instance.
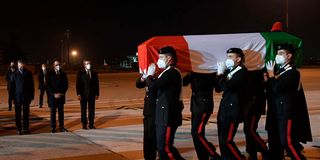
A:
(119, 124)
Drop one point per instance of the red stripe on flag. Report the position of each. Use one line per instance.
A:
(148, 51)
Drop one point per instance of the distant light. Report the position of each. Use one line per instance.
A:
(74, 53)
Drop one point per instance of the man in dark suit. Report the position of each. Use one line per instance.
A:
(9, 75)
(87, 87)
(169, 104)
(57, 87)
(24, 94)
(233, 84)
(42, 79)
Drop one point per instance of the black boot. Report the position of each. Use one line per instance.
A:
(253, 156)
(215, 157)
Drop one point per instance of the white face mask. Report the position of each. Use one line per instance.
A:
(161, 64)
(229, 63)
(43, 68)
(280, 59)
(57, 68)
(88, 66)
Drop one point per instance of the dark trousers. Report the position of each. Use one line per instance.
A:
(10, 99)
(26, 112)
(87, 104)
(254, 143)
(53, 110)
(42, 90)
(281, 136)
(226, 132)
(149, 138)
(165, 140)
(203, 147)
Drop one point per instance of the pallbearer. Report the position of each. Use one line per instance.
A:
(202, 85)
(288, 119)
(149, 127)
(233, 83)
(169, 103)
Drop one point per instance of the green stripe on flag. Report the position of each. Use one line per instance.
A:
(275, 38)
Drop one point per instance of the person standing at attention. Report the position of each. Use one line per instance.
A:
(87, 87)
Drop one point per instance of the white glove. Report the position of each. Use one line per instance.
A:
(270, 66)
(144, 74)
(221, 68)
(151, 69)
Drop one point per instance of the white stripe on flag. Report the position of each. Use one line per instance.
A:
(207, 50)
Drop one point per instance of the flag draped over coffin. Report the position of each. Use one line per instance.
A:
(200, 53)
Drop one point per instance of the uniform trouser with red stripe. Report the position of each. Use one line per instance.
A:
(149, 138)
(226, 132)
(203, 148)
(281, 136)
(165, 140)
(254, 143)
(287, 134)
(276, 151)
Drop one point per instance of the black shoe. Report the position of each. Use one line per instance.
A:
(92, 127)
(19, 132)
(253, 156)
(215, 157)
(84, 127)
(40, 106)
(62, 129)
(300, 147)
(265, 156)
(26, 131)
(53, 130)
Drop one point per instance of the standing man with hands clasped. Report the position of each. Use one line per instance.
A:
(233, 83)
(87, 87)
(57, 87)
(169, 104)
(42, 79)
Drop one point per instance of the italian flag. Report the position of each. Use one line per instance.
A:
(200, 53)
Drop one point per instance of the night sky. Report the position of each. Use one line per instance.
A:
(108, 29)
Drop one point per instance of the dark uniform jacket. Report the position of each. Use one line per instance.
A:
(288, 100)
(149, 99)
(256, 102)
(202, 86)
(23, 87)
(234, 95)
(169, 105)
(86, 86)
(42, 79)
(57, 84)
